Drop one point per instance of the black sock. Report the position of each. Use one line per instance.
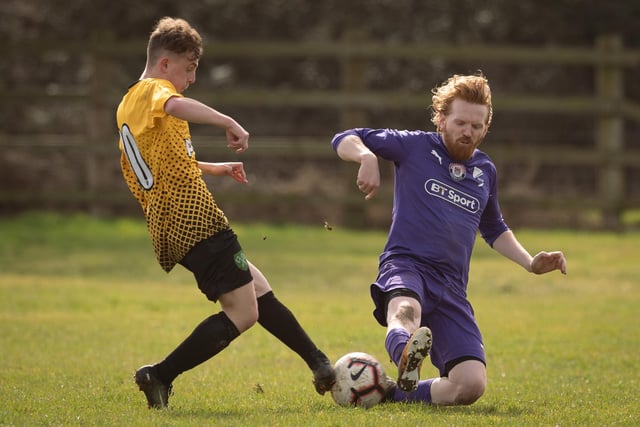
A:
(207, 339)
(276, 318)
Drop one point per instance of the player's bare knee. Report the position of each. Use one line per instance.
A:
(244, 319)
(251, 318)
(469, 392)
(404, 312)
(246, 324)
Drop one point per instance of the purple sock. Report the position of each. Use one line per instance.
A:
(395, 342)
(421, 394)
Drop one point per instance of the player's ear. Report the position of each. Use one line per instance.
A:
(163, 64)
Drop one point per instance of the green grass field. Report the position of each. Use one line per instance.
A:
(83, 304)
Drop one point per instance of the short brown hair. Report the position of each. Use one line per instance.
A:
(472, 88)
(174, 35)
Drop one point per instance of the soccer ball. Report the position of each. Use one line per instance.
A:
(360, 380)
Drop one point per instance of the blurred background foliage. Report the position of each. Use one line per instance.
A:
(43, 86)
(569, 22)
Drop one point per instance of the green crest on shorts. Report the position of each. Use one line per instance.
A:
(241, 261)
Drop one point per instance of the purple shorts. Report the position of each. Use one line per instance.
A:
(449, 315)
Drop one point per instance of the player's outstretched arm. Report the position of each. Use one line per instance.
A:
(194, 111)
(351, 148)
(233, 169)
(543, 262)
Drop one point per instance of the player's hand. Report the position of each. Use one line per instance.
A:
(237, 138)
(368, 180)
(545, 262)
(233, 169)
(236, 171)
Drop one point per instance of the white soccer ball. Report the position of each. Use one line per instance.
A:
(360, 380)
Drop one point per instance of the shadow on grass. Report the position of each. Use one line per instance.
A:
(220, 414)
(477, 409)
(488, 410)
(227, 413)
(206, 413)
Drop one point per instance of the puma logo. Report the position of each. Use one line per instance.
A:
(437, 156)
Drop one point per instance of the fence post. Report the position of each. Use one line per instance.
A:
(610, 132)
(354, 81)
(100, 125)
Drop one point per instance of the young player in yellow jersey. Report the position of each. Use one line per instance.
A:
(186, 225)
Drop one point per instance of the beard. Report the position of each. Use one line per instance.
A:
(460, 149)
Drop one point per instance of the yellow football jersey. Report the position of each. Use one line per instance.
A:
(159, 165)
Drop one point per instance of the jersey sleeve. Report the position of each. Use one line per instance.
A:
(492, 223)
(161, 94)
(390, 144)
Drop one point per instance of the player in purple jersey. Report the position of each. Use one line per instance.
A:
(445, 191)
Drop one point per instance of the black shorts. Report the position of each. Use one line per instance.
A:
(218, 264)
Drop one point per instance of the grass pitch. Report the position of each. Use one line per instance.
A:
(83, 304)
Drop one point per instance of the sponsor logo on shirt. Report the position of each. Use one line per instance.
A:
(452, 195)
(189, 146)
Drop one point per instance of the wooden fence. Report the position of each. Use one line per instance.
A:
(611, 156)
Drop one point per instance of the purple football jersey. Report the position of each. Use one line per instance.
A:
(439, 204)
